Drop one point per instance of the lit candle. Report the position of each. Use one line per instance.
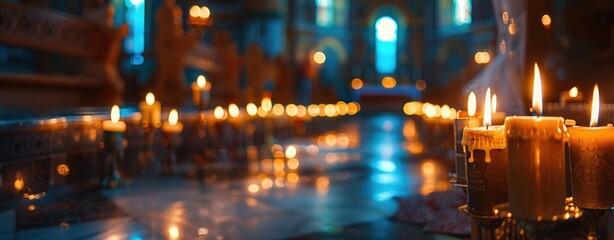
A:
(486, 164)
(151, 110)
(266, 104)
(113, 131)
(464, 119)
(592, 162)
(571, 96)
(201, 92)
(536, 155)
(114, 125)
(172, 125)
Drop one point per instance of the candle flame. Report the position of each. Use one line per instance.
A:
(251, 108)
(573, 92)
(487, 109)
(194, 11)
(537, 91)
(595, 107)
(471, 104)
(233, 110)
(218, 112)
(494, 103)
(173, 117)
(205, 12)
(115, 113)
(319, 57)
(201, 81)
(150, 99)
(266, 104)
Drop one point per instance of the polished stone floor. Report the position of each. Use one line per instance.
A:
(342, 188)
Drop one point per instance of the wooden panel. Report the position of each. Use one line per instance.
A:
(47, 30)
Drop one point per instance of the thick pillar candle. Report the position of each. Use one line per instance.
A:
(592, 162)
(151, 111)
(486, 168)
(536, 155)
(486, 164)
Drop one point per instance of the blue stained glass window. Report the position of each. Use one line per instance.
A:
(386, 45)
(135, 41)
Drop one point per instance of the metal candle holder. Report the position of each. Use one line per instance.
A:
(152, 163)
(171, 141)
(114, 144)
(487, 223)
(536, 227)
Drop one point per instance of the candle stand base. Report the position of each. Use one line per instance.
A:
(113, 178)
(593, 215)
(487, 223)
(114, 144)
(537, 227)
(150, 161)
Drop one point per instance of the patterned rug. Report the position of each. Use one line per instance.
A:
(437, 211)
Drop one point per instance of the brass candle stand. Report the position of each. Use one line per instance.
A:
(536, 227)
(171, 141)
(151, 161)
(487, 223)
(114, 145)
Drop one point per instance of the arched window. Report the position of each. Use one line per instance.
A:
(325, 13)
(462, 12)
(386, 45)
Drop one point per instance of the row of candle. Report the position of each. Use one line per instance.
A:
(523, 162)
(150, 114)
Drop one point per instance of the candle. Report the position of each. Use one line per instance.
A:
(486, 164)
(463, 119)
(536, 156)
(172, 125)
(114, 125)
(113, 131)
(150, 110)
(201, 92)
(571, 96)
(592, 162)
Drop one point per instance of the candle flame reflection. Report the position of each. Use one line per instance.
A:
(537, 91)
(150, 99)
(471, 104)
(487, 109)
(595, 107)
(115, 113)
(173, 117)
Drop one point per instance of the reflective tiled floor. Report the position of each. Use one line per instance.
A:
(340, 185)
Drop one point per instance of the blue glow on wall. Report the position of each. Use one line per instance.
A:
(462, 12)
(386, 45)
(135, 41)
(325, 14)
